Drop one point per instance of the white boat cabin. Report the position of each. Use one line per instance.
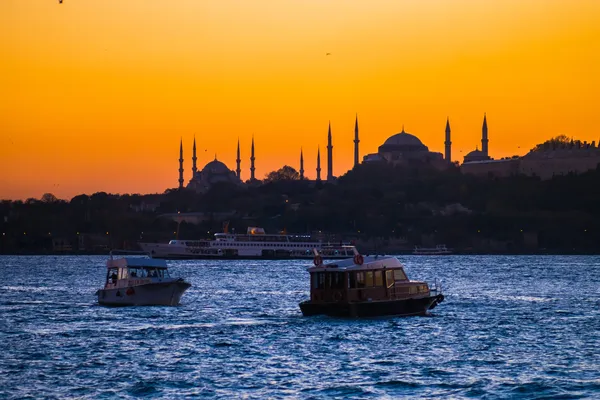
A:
(126, 272)
(362, 279)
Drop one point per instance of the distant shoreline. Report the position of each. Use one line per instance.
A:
(399, 253)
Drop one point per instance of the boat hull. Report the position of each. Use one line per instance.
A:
(151, 294)
(405, 307)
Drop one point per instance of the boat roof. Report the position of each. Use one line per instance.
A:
(370, 263)
(136, 262)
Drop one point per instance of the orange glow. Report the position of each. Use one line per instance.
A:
(95, 95)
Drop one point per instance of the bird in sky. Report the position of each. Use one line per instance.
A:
(59, 1)
(327, 54)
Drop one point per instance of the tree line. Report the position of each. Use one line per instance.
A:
(376, 204)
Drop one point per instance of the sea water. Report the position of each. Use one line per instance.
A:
(510, 327)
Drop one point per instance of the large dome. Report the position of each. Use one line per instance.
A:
(216, 167)
(403, 142)
(476, 155)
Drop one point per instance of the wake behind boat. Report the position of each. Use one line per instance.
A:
(255, 244)
(134, 281)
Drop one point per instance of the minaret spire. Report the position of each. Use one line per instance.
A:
(301, 165)
(329, 155)
(356, 141)
(319, 163)
(448, 143)
(194, 158)
(238, 170)
(484, 136)
(181, 163)
(252, 161)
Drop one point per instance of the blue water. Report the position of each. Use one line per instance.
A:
(511, 327)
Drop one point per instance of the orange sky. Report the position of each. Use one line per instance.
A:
(95, 94)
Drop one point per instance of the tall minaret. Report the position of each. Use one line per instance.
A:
(484, 138)
(329, 155)
(181, 164)
(356, 141)
(194, 158)
(301, 165)
(448, 143)
(319, 164)
(252, 161)
(238, 170)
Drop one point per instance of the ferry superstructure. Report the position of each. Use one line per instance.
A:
(254, 244)
(438, 250)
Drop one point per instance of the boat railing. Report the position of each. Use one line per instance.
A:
(436, 288)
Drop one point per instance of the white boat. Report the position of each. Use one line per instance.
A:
(254, 244)
(440, 249)
(139, 281)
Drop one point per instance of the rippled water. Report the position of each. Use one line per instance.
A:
(510, 327)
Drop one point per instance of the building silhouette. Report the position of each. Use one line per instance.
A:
(404, 148)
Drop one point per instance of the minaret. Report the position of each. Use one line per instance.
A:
(252, 161)
(194, 158)
(238, 170)
(448, 143)
(181, 164)
(356, 141)
(319, 164)
(301, 165)
(484, 137)
(329, 155)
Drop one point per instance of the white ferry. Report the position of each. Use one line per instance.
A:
(254, 244)
(440, 249)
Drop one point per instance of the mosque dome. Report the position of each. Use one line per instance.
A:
(216, 167)
(403, 141)
(476, 155)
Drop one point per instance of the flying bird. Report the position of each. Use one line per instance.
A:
(59, 1)
(327, 54)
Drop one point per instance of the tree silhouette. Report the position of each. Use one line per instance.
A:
(285, 173)
(49, 198)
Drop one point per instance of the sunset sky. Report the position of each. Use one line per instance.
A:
(96, 94)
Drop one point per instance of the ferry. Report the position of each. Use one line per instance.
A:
(367, 287)
(438, 250)
(254, 244)
(139, 281)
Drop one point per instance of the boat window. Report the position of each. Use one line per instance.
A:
(360, 279)
(151, 272)
(319, 280)
(352, 280)
(369, 278)
(123, 273)
(111, 276)
(133, 272)
(399, 275)
(336, 280)
(378, 278)
(389, 278)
